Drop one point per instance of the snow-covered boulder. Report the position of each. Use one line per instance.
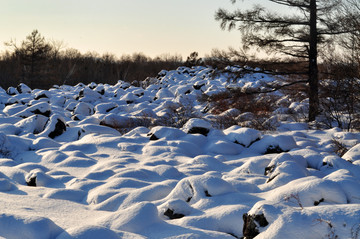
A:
(55, 126)
(38, 178)
(168, 133)
(136, 218)
(197, 126)
(118, 121)
(104, 108)
(23, 89)
(40, 108)
(12, 109)
(194, 188)
(164, 93)
(274, 144)
(6, 147)
(84, 109)
(353, 154)
(242, 136)
(283, 169)
(31, 227)
(88, 95)
(34, 124)
(12, 91)
(42, 94)
(129, 98)
(307, 192)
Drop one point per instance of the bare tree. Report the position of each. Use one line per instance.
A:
(299, 35)
(56, 47)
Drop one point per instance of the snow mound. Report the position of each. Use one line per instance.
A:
(197, 126)
(135, 219)
(242, 136)
(31, 227)
(353, 154)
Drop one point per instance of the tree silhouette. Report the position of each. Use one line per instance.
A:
(312, 24)
(193, 60)
(33, 54)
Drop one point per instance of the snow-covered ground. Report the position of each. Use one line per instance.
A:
(66, 172)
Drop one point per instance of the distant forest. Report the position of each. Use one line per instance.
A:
(40, 63)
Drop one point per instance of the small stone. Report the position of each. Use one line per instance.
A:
(170, 214)
(32, 182)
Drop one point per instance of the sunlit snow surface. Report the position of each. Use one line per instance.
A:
(64, 173)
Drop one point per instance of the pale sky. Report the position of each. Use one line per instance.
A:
(152, 27)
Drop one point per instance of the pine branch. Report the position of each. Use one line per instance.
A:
(291, 3)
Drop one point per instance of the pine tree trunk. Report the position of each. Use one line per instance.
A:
(313, 67)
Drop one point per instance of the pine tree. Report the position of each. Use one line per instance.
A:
(33, 55)
(311, 24)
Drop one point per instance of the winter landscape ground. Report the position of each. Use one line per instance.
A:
(105, 161)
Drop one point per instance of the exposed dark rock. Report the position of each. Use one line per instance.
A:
(129, 102)
(236, 142)
(139, 95)
(198, 87)
(60, 128)
(192, 191)
(274, 150)
(207, 193)
(272, 178)
(318, 202)
(232, 234)
(247, 146)
(41, 96)
(22, 88)
(328, 164)
(206, 109)
(269, 169)
(125, 85)
(185, 71)
(258, 139)
(199, 130)
(153, 136)
(81, 85)
(11, 103)
(170, 214)
(38, 112)
(74, 117)
(108, 110)
(187, 92)
(18, 88)
(80, 132)
(31, 182)
(92, 85)
(251, 223)
(101, 92)
(11, 91)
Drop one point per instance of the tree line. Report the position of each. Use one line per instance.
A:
(42, 63)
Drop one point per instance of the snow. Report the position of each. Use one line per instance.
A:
(90, 161)
(353, 154)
